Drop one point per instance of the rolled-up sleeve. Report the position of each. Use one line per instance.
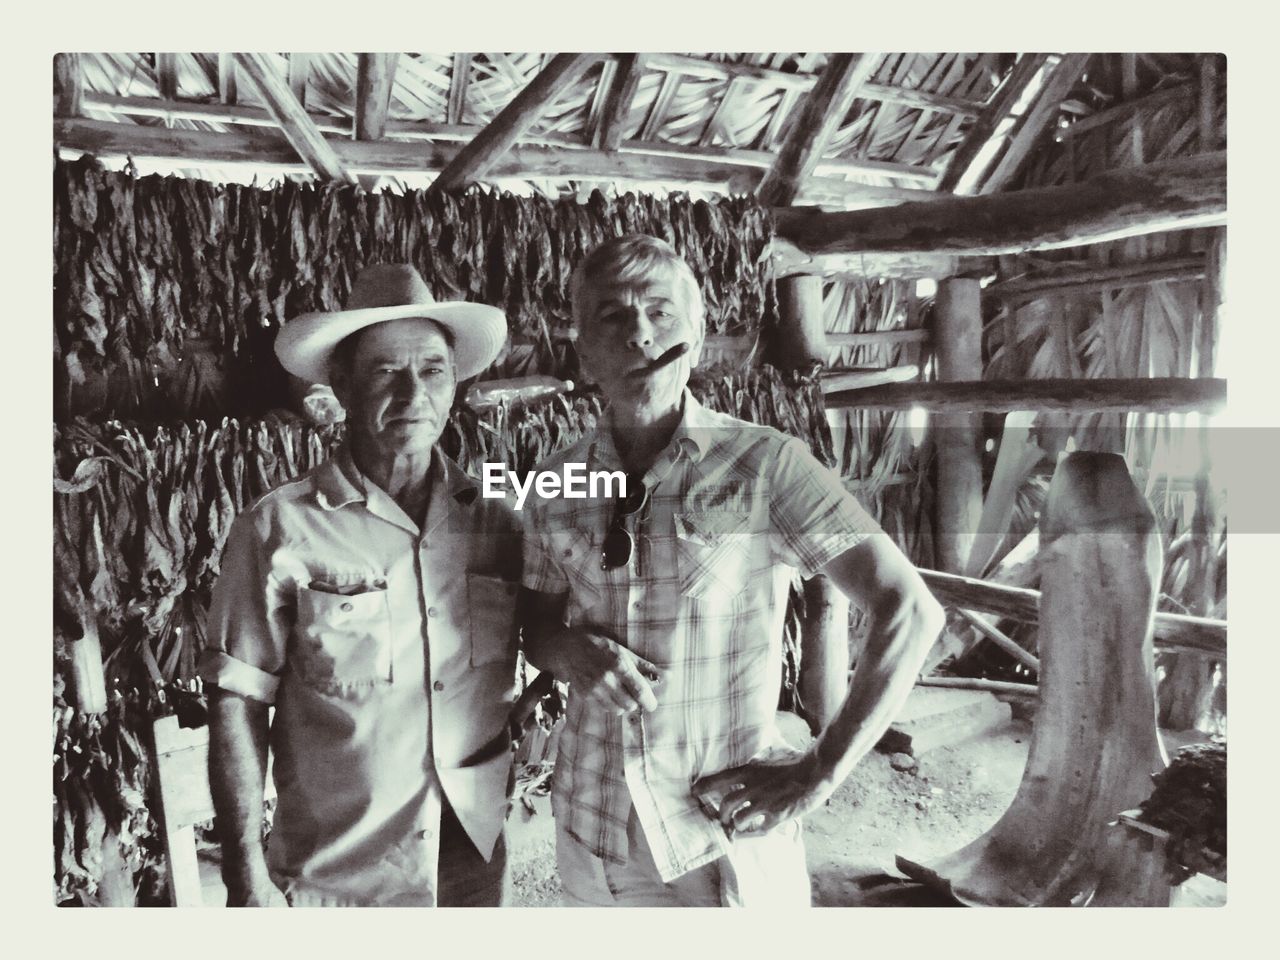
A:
(246, 634)
(814, 518)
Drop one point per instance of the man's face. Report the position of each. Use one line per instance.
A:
(398, 387)
(628, 324)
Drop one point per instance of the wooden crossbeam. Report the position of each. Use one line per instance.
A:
(825, 106)
(1014, 85)
(68, 85)
(375, 75)
(1037, 122)
(802, 82)
(716, 123)
(475, 159)
(1171, 195)
(1149, 395)
(1088, 278)
(297, 127)
(715, 171)
(622, 90)
(459, 81)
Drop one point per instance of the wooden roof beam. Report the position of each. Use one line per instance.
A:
(824, 108)
(1015, 84)
(475, 159)
(299, 72)
(661, 104)
(1084, 278)
(68, 85)
(1037, 123)
(375, 74)
(297, 126)
(714, 69)
(622, 91)
(458, 83)
(1156, 197)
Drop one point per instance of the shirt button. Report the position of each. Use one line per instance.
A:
(380, 584)
(346, 607)
(432, 611)
(633, 719)
(424, 834)
(438, 686)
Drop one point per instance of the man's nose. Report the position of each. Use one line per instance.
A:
(411, 388)
(639, 329)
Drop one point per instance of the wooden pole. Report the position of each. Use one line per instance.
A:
(1088, 278)
(475, 159)
(68, 85)
(1094, 743)
(296, 125)
(1000, 639)
(984, 128)
(957, 345)
(825, 107)
(977, 683)
(800, 339)
(1155, 395)
(824, 652)
(375, 75)
(1153, 198)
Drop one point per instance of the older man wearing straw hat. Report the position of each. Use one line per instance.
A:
(371, 603)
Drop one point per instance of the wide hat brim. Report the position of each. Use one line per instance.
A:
(305, 344)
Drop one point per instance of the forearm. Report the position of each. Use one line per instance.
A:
(899, 635)
(237, 776)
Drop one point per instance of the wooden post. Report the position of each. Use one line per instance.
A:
(801, 335)
(68, 85)
(824, 652)
(958, 354)
(1094, 743)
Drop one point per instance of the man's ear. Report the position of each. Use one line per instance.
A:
(695, 346)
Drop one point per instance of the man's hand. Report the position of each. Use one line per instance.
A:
(759, 796)
(606, 673)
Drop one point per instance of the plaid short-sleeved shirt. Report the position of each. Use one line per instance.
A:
(734, 510)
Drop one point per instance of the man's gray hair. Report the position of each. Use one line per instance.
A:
(632, 258)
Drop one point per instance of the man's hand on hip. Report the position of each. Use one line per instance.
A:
(758, 796)
(606, 673)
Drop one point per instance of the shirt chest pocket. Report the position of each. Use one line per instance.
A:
(343, 640)
(713, 553)
(578, 556)
(491, 610)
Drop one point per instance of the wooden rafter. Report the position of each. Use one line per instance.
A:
(715, 124)
(1170, 195)
(802, 82)
(167, 75)
(458, 83)
(1006, 96)
(375, 74)
(1150, 103)
(475, 159)
(299, 73)
(1036, 122)
(622, 90)
(298, 128)
(661, 104)
(68, 85)
(824, 108)
(227, 78)
(1207, 115)
(599, 98)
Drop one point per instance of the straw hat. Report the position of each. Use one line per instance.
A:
(391, 291)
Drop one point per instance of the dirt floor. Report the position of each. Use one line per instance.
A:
(953, 795)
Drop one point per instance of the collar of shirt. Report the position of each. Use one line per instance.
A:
(692, 438)
(339, 482)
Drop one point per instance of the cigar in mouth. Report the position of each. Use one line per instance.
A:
(669, 357)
